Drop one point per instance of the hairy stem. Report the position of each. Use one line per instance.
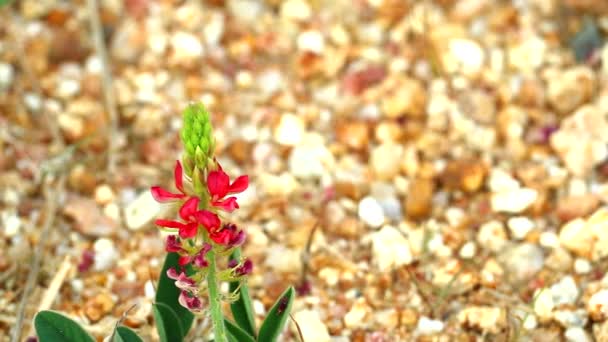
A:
(217, 318)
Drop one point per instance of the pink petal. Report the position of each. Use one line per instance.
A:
(179, 177)
(239, 184)
(169, 223)
(172, 273)
(229, 204)
(162, 195)
(184, 260)
(188, 231)
(189, 208)
(207, 219)
(217, 183)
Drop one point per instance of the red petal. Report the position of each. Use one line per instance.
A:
(188, 230)
(239, 184)
(229, 204)
(184, 260)
(207, 219)
(162, 195)
(189, 208)
(217, 183)
(179, 176)
(169, 223)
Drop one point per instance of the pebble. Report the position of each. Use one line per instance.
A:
(390, 249)
(106, 254)
(428, 326)
(12, 224)
(104, 194)
(311, 41)
(283, 259)
(587, 238)
(571, 207)
(577, 334)
(142, 210)
(357, 313)
(354, 134)
(408, 99)
(492, 235)
(483, 318)
(597, 307)
(570, 89)
(67, 88)
(388, 318)
(7, 74)
(466, 56)
(290, 130)
(468, 250)
(385, 160)
(98, 306)
(419, 199)
(88, 218)
(296, 10)
(247, 11)
(186, 47)
(529, 54)
(565, 291)
(513, 201)
(582, 266)
(520, 226)
(371, 212)
(311, 325)
(522, 261)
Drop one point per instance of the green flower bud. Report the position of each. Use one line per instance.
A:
(197, 135)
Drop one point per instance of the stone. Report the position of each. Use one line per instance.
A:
(141, 211)
(371, 212)
(187, 48)
(513, 201)
(11, 222)
(88, 218)
(407, 99)
(104, 194)
(418, 202)
(310, 159)
(492, 235)
(466, 56)
(597, 306)
(390, 249)
(587, 238)
(296, 10)
(311, 325)
(529, 54)
(428, 326)
(483, 318)
(568, 90)
(520, 226)
(577, 334)
(283, 259)
(522, 261)
(7, 75)
(464, 175)
(290, 130)
(311, 41)
(247, 11)
(98, 307)
(543, 304)
(571, 207)
(388, 318)
(106, 254)
(357, 313)
(385, 160)
(353, 134)
(564, 291)
(582, 266)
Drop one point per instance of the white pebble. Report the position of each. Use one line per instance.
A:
(296, 10)
(582, 266)
(549, 240)
(468, 250)
(141, 211)
(520, 226)
(390, 249)
(67, 88)
(313, 328)
(371, 212)
(427, 326)
(598, 304)
(576, 334)
(12, 224)
(186, 46)
(311, 41)
(7, 75)
(105, 254)
(513, 201)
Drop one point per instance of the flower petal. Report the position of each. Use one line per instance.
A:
(168, 223)
(208, 219)
(239, 185)
(189, 208)
(162, 195)
(172, 273)
(173, 244)
(188, 230)
(179, 176)
(218, 183)
(229, 204)
(184, 260)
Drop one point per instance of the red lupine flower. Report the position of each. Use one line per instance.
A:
(218, 184)
(198, 259)
(230, 236)
(182, 281)
(191, 303)
(244, 269)
(173, 245)
(193, 217)
(163, 195)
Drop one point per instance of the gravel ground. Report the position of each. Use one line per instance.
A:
(421, 170)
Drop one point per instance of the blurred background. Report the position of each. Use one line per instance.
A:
(421, 170)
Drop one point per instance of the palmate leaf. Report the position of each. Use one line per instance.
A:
(52, 326)
(277, 317)
(124, 334)
(242, 309)
(167, 295)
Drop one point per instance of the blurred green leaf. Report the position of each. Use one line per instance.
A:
(168, 323)
(4, 2)
(52, 326)
(124, 334)
(239, 334)
(168, 294)
(277, 317)
(242, 309)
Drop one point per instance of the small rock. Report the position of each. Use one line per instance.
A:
(500, 180)
(520, 226)
(290, 130)
(522, 261)
(418, 203)
(88, 217)
(577, 334)
(311, 41)
(371, 212)
(282, 259)
(565, 291)
(296, 10)
(186, 47)
(357, 82)
(427, 326)
(141, 211)
(468, 250)
(98, 307)
(388, 318)
(357, 313)
(106, 254)
(529, 54)
(597, 307)
(464, 175)
(466, 56)
(571, 88)
(543, 304)
(311, 325)
(354, 134)
(513, 201)
(309, 159)
(385, 160)
(7, 74)
(104, 194)
(247, 11)
(408, 99)
(483, 318)
(582, 266)
(571, 207)
(67, 88)
(390, 249)
(12, 224)
(587, 239)
(492, 235)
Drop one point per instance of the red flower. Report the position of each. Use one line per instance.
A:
(229, 236)
(173, 244)
(193, 217)
(182, 281)
(218, 184)
(163, 195)
(190, 302)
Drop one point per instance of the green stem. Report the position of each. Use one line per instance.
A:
(217, 318)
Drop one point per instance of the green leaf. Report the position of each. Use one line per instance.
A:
(168, 294)
(167, 323)
(242, 309)
(4, 2)
(52, 326)
(277, 317)
(124, 334)
(235, 331)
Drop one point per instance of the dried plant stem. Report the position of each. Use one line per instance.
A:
(108, 92)
(215, 305)
(51, 208)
